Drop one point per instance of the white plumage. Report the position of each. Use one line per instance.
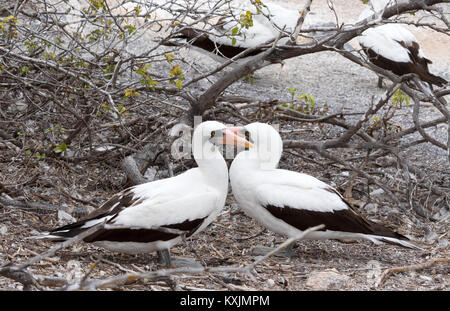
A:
(288, 202)
(395, 48)
(267, 24)
(139, 219)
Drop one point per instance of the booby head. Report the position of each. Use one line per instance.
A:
(267, 143)
(212, 134)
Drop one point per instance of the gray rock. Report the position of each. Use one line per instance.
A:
(327, 279)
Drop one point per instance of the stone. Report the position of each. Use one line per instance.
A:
(327, 280)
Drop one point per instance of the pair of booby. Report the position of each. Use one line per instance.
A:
(390, 46)
(157, 215)
(393, 47)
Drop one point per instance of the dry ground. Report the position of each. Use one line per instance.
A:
(228, 242)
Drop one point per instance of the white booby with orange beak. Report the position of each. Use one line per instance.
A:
(155, 216)
(288, 202)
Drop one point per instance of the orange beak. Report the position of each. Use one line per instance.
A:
(231, 136)
(237, 130)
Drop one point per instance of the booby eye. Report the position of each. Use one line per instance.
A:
(248, 136)
(213, 133)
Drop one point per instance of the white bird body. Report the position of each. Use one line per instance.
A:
(385, 41)
(289, 202)
(197, 200)
(266, 27)
(156, 215)
(394, 47)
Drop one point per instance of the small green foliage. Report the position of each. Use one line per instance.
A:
(81, 64)
(176, 71)
(8, 27)
(179, 83)
(97, 4)
(399, 98)
(250, 77)
(95, 35)
(147, 80)
(59, 148)
(246, 20)
(365, 1)
(304, 103)
(375, 120)
(309, 102)
(24, 70)
(5, 21)
(59, 41)
(49, 55)
(31, 46)
(142, 69)
(177, 76)
(169, 57)
(234, 32)
(105, 107)
(122, 110)
(130, 28)
(258, 4)
(40, 155)
(292, 91)
(57, 130)
(130, 92)
(27, 150)
(137, 10)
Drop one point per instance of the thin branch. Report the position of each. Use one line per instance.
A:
(431, 262)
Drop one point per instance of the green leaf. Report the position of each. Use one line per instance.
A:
(235, 30)
(233, 41)
(179, 83)
(40, 155)
(169, 57)
(60, 148)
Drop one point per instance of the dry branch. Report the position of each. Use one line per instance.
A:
(431, 262)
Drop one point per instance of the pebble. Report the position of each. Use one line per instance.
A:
(327, 279)
(426, 278)
(3, 229)
(376, 192)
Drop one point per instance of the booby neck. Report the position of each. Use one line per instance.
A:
(267, 151)
(209, 159)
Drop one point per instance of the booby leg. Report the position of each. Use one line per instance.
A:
(164, 257)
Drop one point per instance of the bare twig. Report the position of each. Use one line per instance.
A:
(431, 262)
